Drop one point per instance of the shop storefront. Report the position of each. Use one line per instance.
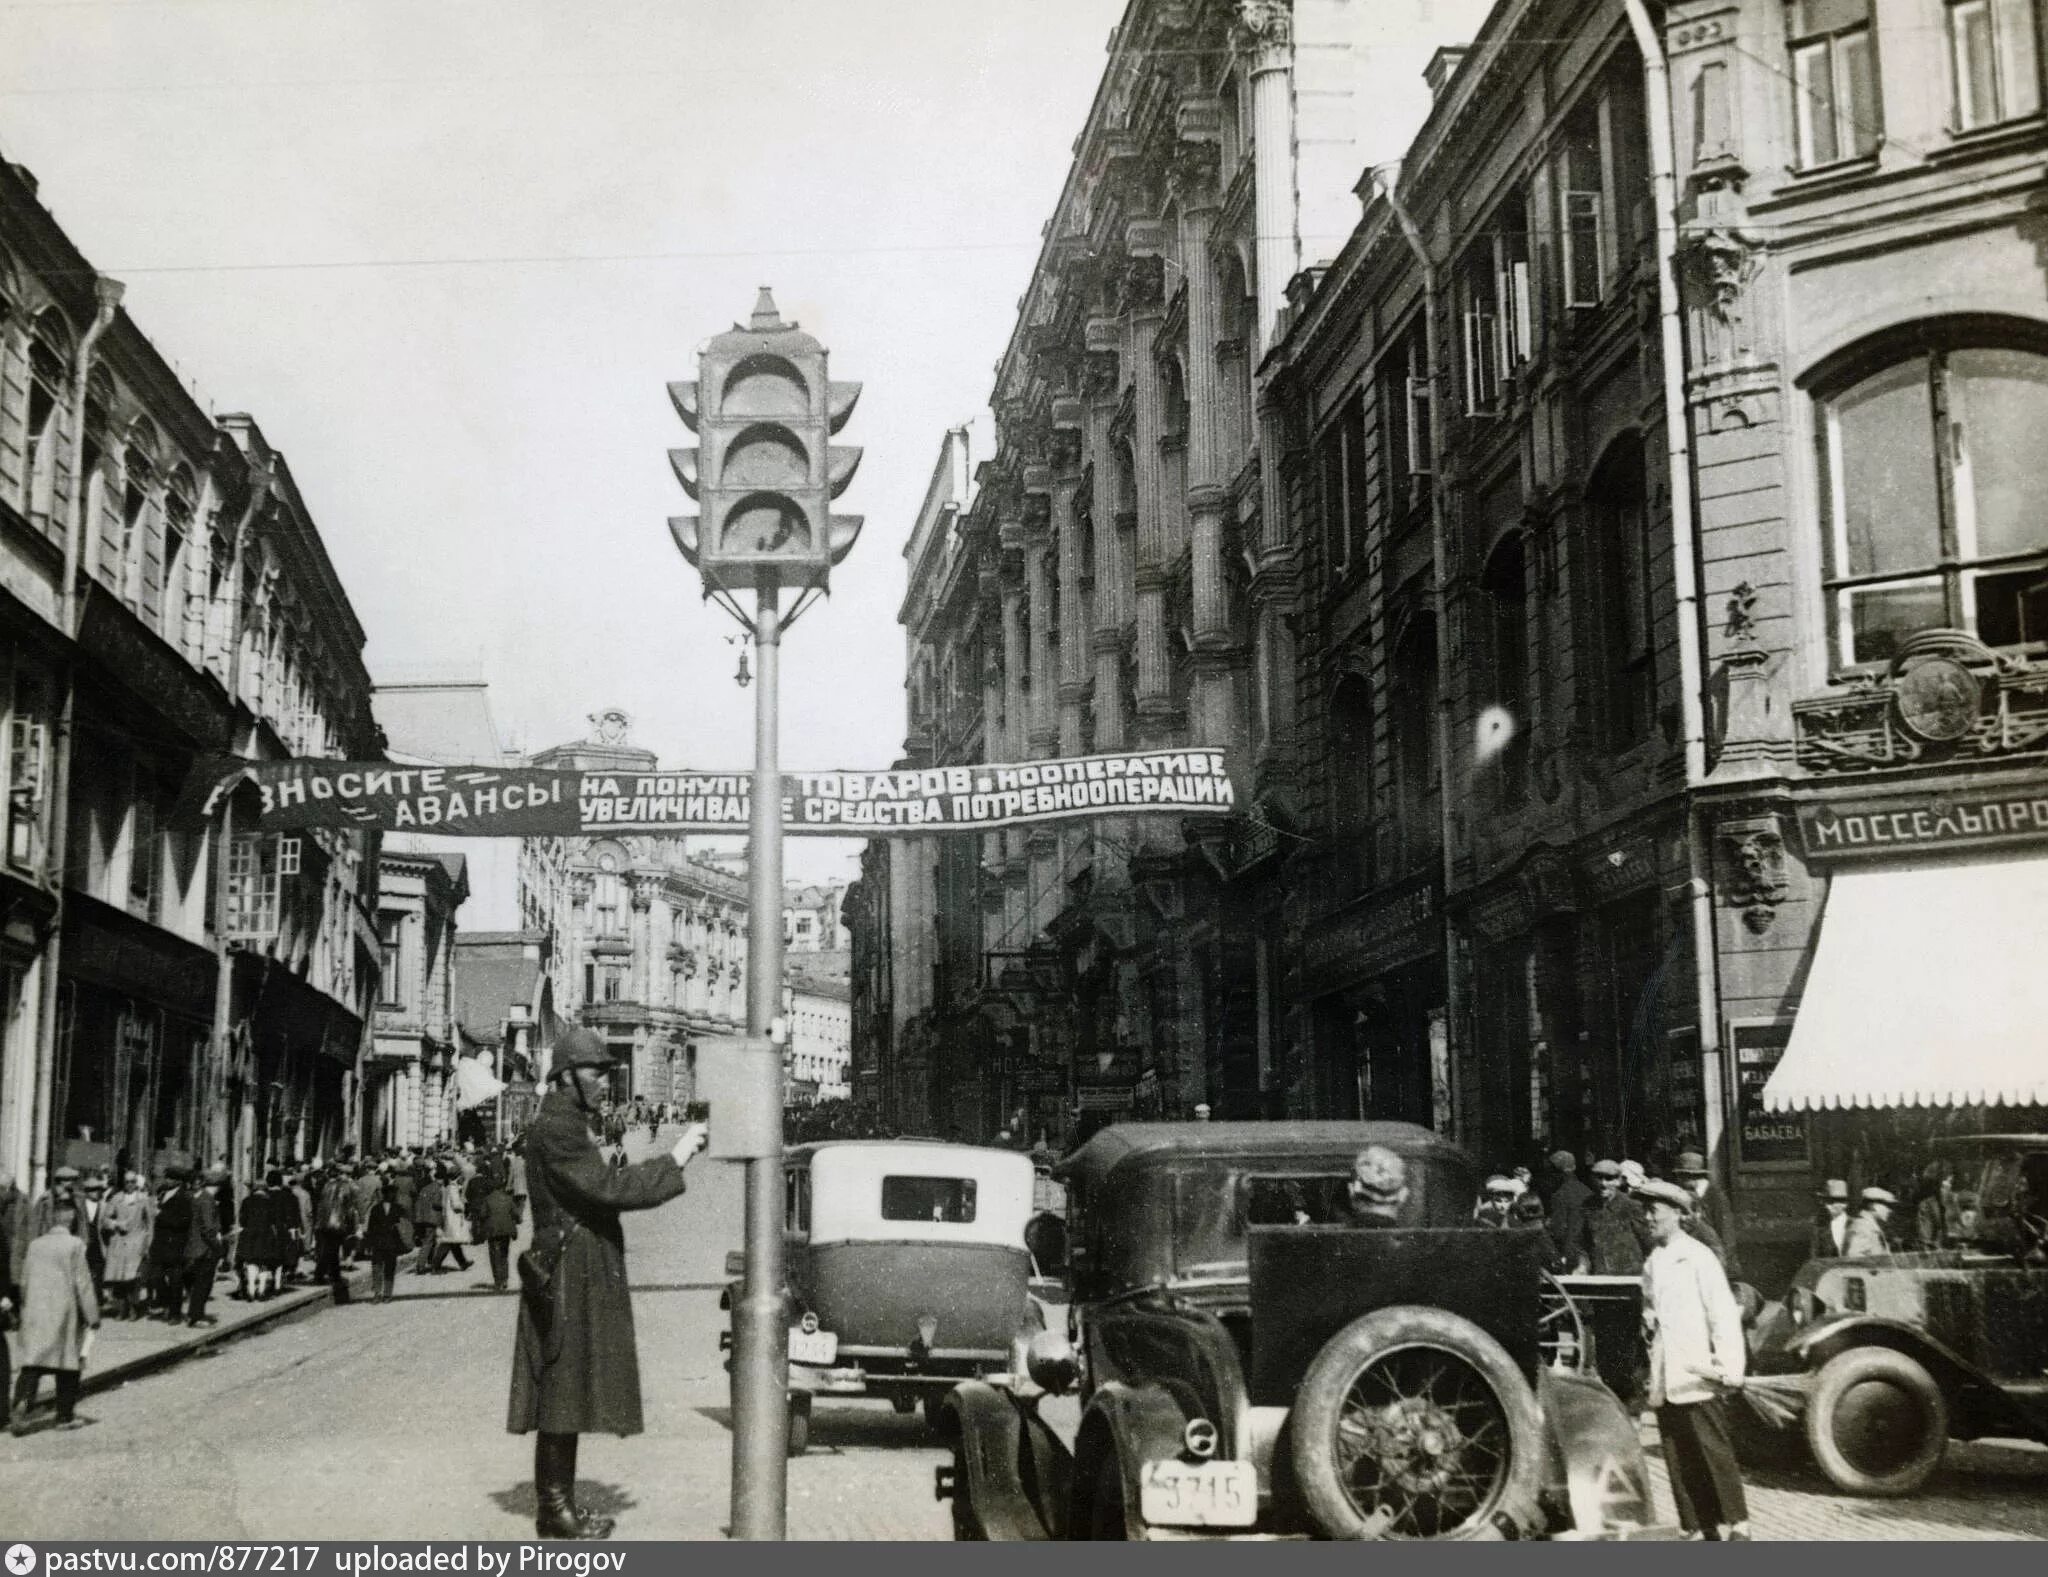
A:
(134, 1020)
(1924, 1003)
(1374, 971)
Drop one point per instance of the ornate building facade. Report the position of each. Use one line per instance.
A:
(648, 943)
(1613, 571)
(166, 989)
(1105, 586)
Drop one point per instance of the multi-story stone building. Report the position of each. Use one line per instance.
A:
(1104, 587)
(818, 1012)
(168, 989)
(649, 944)
(1638, 660)
(409, 1077)
(811, 918)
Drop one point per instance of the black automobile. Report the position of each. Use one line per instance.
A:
(1293, 1330)
(1873, 1365)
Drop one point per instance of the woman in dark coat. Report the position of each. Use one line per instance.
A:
(259, 1250)
(497, 1219)
(575, 1367)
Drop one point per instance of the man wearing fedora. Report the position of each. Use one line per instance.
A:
(1867, 1236)
(575, 1367)
(1696, 1354)
(1831, 1231)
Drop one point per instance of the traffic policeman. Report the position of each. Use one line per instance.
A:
(575, 1367)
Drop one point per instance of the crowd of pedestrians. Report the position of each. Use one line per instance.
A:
(96, 1246)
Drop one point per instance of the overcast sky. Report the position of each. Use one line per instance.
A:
(448, 254)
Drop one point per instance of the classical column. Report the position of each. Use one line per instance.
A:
(1073, 653)
(640, 982)
(1106, 640)
(1015, 723)
(1266, 30)
(579, 930)
(1042, 738)
(1154, 721)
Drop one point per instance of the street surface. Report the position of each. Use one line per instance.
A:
(368, 1422)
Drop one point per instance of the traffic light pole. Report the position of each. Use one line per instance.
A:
(760, 1357)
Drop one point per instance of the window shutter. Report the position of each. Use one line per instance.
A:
(1420, 417)
(13, 414)
(1518, 302)
(151, 526)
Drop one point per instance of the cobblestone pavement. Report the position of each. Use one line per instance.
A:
(386, 1422)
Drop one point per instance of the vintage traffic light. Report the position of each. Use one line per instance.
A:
(765, 471)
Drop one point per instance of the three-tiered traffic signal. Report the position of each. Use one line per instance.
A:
(765, 471)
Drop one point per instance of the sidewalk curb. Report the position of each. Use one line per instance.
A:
(199, 1341)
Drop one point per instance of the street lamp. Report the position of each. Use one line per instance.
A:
(764, 475)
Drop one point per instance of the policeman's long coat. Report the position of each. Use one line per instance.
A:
(582, 1375)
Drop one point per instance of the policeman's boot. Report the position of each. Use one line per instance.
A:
(592, 1525)
(554, 1476)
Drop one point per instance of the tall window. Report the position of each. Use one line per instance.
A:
(1342, 483)
(1405, 415)
(138, 527)
(178, 627)
(1932, 470)
(1351, 761)
(28, 745)
(390, 960)
(605, 907)
(145, 855)
(1994, 49)
(1506, 592)
(1618, 514)
(1836, 111)
(257, 867)
(46, 377)
(1495, 308)
(1418, 784)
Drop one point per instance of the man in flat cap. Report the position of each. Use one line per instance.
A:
(1696, 1353)
(575, 1367)
(1565, 1212)
(1617, 1230)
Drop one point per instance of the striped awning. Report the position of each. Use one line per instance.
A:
(1929, 987)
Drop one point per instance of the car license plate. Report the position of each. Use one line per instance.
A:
(1199, 1494)
(813, 1346)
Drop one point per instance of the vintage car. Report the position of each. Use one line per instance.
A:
(1292, 1330)
(1884, 1361)
(907, 1271)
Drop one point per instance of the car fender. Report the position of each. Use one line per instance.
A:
(1139, 1423)
(1017, 1473)
(1597, 1473)
(1825, 1338)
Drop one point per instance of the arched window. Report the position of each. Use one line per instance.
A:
(1417, 773)
(1503, 700)
(180, 554)
(49, 363)
(1931, 475)
(1351, 761)
(141, 555)
(1625, 683)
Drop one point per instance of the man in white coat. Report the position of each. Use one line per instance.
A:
(58, 1312)
(1696, 1354)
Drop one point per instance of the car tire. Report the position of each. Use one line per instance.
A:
(799, 1425)
(1429, 1399)
(1877, 1422)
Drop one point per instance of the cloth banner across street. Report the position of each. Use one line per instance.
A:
(497, 802)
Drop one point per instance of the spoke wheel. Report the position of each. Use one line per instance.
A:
(1414, 1424)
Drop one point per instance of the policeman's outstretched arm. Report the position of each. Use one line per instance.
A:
(577, 1168)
